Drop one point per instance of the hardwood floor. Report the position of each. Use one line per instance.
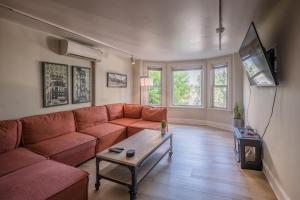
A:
(202, 167)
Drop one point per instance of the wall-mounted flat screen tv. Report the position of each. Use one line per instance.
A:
(259, 67)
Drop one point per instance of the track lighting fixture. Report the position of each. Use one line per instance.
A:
(221, 28)
(132, 60)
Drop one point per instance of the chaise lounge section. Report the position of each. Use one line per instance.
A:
(26, 175)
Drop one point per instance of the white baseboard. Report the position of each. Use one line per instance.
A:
(227, 127)
(223, 126)
(274, 183)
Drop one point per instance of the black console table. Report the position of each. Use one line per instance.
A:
(247, 148)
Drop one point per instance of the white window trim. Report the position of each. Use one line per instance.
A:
(155, 65)
(211, 63)
(220, 86)
(155, 68)
(186, 66)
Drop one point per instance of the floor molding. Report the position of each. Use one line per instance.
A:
(274, 183)
(223, 126)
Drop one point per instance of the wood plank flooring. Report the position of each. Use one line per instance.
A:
(202, 167)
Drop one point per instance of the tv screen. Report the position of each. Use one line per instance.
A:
(254, 59)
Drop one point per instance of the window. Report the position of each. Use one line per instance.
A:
(220, 86)
(187, 87)
(155, 91)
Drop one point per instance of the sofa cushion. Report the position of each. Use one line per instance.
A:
(133, 130)
(133, 111)
(16, 159)
(91, 116)
(72, 148)
(141, 125)
(115, 111)
(107, 135)
(45, 180)
(146, 125)
(10, 135)
(155, 114)
(43, 127)
(124, 121)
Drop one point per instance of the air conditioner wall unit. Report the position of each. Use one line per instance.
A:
(70, 48)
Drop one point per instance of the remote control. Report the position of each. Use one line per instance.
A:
(130, 153)
(115, 150)
(119, 148)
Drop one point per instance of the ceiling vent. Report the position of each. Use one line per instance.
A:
(71, 48)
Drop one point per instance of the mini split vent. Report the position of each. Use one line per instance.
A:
(71, 48)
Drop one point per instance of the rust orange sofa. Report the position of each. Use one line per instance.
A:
(36, 151)
(26, 175)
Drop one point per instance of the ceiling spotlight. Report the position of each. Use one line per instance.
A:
(221, 28)
(132, 60)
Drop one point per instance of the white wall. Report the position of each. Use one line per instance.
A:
(199, 116)
(23, 49)
(281, 142)
(117, 64)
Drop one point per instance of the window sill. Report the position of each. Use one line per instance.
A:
(153, 105)
(220, 109)
(184, 107)
(200, 107)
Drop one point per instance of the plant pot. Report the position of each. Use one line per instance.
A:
(238, 123)
(163, 131)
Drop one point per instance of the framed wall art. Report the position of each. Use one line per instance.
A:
(81, 84)
(116, 80)
(55, 84)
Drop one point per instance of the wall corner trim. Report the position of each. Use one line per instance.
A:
(274, 183)
(223, 126)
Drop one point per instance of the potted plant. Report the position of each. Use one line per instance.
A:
(163, 126)
(238, 116)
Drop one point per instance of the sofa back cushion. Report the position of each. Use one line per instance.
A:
(43, 127)
(133, 111)
(115, 111)
(91, 116)
(155, 114)
(10, 135)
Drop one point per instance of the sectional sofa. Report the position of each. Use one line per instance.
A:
(37, 153)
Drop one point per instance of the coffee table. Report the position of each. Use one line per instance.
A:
(150, 147)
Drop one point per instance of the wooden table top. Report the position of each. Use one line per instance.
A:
(143, 143)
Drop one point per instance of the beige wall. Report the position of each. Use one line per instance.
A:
(199, 116)
(21, 52)
(281, 142)
(113, 63)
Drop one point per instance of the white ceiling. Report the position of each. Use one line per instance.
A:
(150, 29)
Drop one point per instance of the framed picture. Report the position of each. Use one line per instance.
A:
(116, 80)
(81, 84)
(55, 84)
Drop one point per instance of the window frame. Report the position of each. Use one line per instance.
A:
(171, 87)
(161, 79)
(219, 66)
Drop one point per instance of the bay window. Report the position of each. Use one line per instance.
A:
(220, 86)
(187, 87)
(154, 92)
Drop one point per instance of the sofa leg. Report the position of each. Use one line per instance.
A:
(97, 184)
(171, 146)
